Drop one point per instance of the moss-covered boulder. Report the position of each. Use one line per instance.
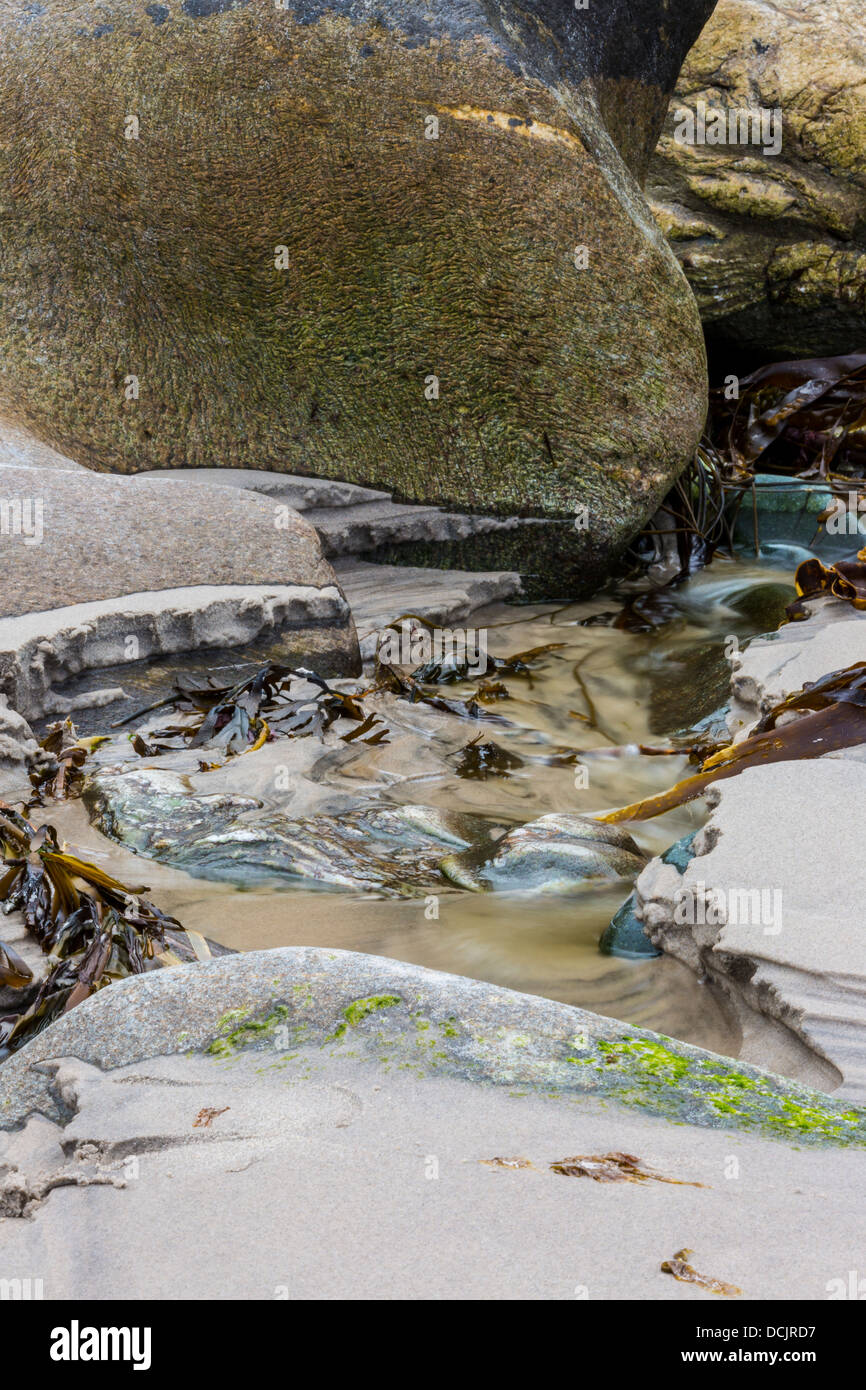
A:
(401, 245)
(774, 245)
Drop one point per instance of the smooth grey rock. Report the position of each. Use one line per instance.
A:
(341, 1003)
(769, 910)
(552, 855)
(329, 1103)
(104, 537)
(20, 449)
(299, 492)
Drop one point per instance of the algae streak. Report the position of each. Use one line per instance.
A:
(631, 1067)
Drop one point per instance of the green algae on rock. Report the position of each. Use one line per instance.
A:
(406, 249)
(300, 1008)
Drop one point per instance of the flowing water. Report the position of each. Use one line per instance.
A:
(601, 693)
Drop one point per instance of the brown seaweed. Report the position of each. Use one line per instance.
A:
(679, 1267)
(59, 772)
(510, 1163)
(613, 1167)
(15, 973)
(798, 417)
(845, 580)
(482, 760)
(271, 703)
(206, 1116)
(95, 927)
(804, 420)
(832, 714)
(405, 686)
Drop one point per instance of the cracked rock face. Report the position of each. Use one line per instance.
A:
(774, 246)
(769, 910)
(323, 209)
(17, 742)
(104, 571)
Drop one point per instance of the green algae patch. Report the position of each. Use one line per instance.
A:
(642, 1071)
(359, 1009)
(707, 1091)
(362, 1007)
(236, 1031)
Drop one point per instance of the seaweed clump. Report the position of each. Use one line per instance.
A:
(93, 928)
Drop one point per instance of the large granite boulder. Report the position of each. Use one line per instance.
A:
(249, 235)
(774, 245)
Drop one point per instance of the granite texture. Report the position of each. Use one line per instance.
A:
(350, 1004)
(149, 318)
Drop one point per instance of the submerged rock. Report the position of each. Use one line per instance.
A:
(396, 851)
(550, 855)
(404, 247)
(626, 936)
(774, 245)
(393, 851)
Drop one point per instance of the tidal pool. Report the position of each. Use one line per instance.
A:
(602, 692)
